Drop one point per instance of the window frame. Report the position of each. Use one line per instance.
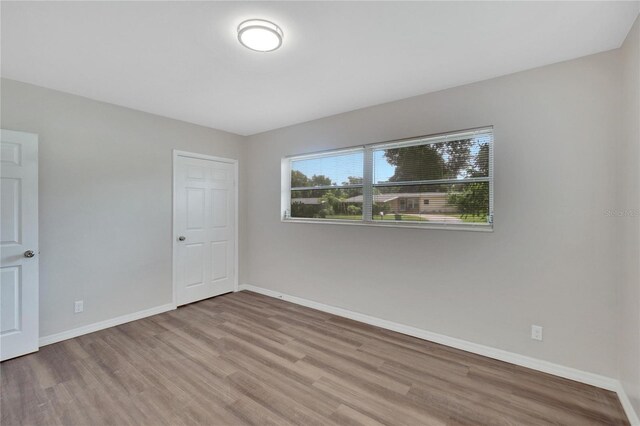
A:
(368, 185)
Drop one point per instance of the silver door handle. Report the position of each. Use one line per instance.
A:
(181, 238)
(29, 253)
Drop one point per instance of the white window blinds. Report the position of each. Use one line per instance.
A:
(443, 180)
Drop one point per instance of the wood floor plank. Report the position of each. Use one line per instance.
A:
(318, 401)
(244, 358)
(347, 416)
(265, 395)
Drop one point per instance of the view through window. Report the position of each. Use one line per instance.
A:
(443, 180)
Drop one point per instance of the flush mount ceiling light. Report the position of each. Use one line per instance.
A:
(260, 35)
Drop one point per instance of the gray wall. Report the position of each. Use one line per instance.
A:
(629, 223)
(552, 259)
(105, 201)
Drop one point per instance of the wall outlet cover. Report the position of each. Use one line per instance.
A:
(536, 332)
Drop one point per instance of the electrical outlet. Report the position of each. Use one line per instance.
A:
(536, 332)
(78, 306)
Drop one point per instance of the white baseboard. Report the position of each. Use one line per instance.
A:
(633, 417)
(499, 354)
(96, 326)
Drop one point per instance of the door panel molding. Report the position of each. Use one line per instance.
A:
(194, 175)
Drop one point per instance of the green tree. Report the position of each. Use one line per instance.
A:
(320, 180)
(445, 160)
(352, 192)
(423, 162)
(299, 209)
(354, 210)
(353, 180)
(333, 202)
(479, 167)
(298, 179)
(472, 199)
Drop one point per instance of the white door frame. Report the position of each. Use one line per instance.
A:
(176, 154)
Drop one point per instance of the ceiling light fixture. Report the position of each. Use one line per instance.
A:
(260, 35)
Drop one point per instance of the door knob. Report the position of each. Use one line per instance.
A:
(181, 238)
(29, 253)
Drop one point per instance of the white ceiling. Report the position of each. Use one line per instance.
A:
(182, 59)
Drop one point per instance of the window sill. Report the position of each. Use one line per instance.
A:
(410, 225)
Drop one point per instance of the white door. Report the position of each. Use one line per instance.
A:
(204, 227)
(18, 243)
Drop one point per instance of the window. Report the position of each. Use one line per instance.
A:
(327, 186)
(434, 181)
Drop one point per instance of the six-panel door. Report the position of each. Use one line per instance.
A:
(205, 228)
(18, 243)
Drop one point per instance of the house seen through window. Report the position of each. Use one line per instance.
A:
(443, 180)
